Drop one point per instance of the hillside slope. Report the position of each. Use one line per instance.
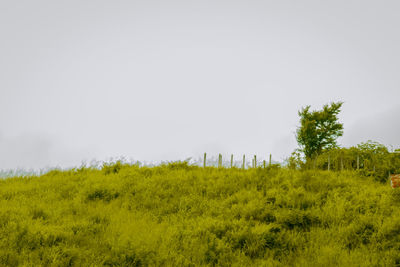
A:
(177, 215)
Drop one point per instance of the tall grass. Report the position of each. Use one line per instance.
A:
(181, 215)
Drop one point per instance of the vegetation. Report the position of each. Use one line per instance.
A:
(181, 215)
(319, 130)
(317, 135)
(369, 159)
(332, 207)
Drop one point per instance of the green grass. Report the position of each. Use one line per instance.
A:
(177, 215)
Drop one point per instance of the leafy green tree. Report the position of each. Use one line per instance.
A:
(318, 129)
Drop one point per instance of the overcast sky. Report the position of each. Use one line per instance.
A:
(166, 80)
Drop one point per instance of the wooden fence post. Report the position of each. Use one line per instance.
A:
(270, 159)
(341, 162)
(219, 160)
(329, 162)
(358, 162)
(231, 160)
(264, 163)
(244, 160)
(255, 161)
(205, 160)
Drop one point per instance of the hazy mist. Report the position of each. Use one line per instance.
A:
(167, 80)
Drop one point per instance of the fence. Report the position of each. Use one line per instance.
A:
(340, 162)
(232, 163)
(378, 164)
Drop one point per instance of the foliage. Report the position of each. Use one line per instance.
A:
(180, 215)
(318, 129)
(374, 160)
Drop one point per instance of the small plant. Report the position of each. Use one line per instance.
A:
(112, 168)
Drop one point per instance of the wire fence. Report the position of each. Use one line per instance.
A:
(233, 161)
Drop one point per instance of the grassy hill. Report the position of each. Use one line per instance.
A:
(178, 215)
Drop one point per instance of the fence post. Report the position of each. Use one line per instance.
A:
(315, 162)
(205, 159)
(244, 159)
(231, 160)
(341, 162)
(264, 163)
(255, 161)
(219, 160)
(358, 162)
(329, 162)
(270, 159)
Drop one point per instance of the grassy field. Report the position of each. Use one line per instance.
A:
(178, 215)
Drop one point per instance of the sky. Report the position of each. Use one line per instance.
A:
(167, 80)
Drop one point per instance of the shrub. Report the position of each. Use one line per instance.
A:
(102, 194)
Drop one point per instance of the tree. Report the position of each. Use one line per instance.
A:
(319, 129)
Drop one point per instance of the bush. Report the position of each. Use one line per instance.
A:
(181, 215)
